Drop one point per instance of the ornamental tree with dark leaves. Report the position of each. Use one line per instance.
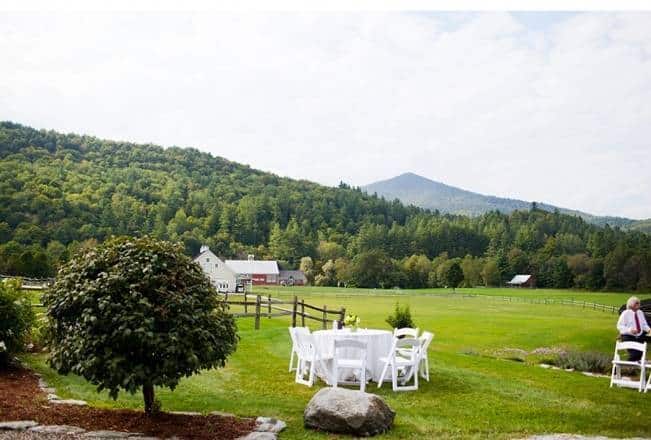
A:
(136, 313)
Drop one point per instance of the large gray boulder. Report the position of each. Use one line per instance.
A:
(348, 412)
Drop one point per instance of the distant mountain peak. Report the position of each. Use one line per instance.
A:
(412, 177)
(414, 189)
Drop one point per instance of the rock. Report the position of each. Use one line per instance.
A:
(185, 413)
(221, 413)
(49, 390)
(52, 397)
(110, 434)
(587, 373)
(57, 429)
(544, 365)
(349, 412)
(269, 424)
(41, 383)
(255, 435)
(19, 425)
(69, 402)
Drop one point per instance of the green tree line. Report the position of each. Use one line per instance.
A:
(62, 192)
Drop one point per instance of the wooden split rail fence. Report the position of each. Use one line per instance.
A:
(30, 283)
(530, 300)
(258, 306)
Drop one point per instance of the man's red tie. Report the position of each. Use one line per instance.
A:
(637, 324)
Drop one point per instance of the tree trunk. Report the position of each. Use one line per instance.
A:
(148, 394)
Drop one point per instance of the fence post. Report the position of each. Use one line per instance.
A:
(269, 306)
(246, 307)
(302, 313)
(294, 311)
(342, 316)
(257, 312)
(325, 317)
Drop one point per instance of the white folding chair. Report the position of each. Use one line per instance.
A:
(292, 335)
(425, 339)
(618, 363)
(341, 360)
(308, 356)
(405, 332)
(403, 359)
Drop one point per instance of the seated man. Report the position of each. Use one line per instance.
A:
(632, 326)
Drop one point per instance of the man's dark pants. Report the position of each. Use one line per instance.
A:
(634, 355)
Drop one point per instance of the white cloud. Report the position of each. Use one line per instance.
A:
(484, 102)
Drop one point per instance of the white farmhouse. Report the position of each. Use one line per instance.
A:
(223, 278)
(227, 275)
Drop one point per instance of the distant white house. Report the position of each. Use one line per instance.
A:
(521, 281)
(223, 278)
(229, 275)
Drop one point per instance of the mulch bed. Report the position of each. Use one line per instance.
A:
(21, 399)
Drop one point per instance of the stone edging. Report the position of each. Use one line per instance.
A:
(53, 398)
(32, 426)
(585, 373)
(267, 428)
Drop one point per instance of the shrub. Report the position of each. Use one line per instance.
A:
(401, 317)
(40, 334)
(136, 313)
(17, 318)
(592, 361)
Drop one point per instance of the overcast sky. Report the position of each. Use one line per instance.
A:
(536, 106)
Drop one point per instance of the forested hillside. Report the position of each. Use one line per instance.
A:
(62, 192)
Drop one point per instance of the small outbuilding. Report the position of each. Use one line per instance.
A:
(292, 278)
(522, 281)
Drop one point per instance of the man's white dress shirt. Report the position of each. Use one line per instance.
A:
(627, 326)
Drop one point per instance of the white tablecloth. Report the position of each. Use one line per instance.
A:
(378, 345)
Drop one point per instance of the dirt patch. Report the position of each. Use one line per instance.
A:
(21, 399)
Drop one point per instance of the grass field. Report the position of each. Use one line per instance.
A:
(472, 393)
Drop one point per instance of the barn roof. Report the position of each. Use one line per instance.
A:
(253, 267)
(520, 279)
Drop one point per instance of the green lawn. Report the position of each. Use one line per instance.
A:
(472, 393)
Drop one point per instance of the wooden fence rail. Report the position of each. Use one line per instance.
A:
(30, 283)
(266, 306)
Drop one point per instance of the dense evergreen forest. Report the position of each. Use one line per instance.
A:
(63, 192)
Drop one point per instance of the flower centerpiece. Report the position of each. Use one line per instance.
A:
(352, 321)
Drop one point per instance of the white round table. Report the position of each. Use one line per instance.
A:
(378, 344)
